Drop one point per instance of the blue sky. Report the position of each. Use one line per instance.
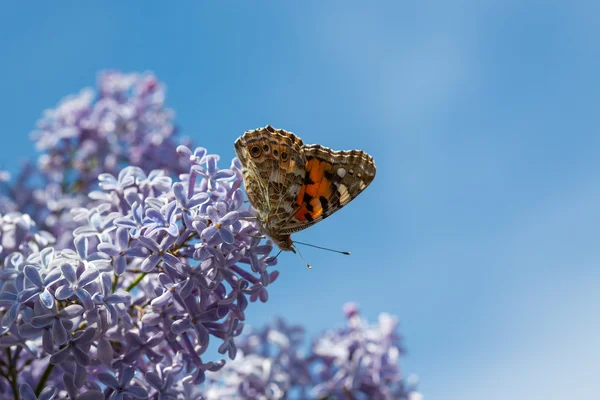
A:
(481, 229)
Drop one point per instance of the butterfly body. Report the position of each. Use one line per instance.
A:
(292, 185)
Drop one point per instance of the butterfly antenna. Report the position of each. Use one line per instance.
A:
(295, 250)
(323, 248)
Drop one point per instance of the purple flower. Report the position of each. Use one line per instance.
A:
(120, 250)
(78, 347)
(158, 252)
(123, 386)
(169, 291)
(9, 301)
(133, 221)
(60, 321)
(185, 204)
(27, 393)
(39, 286)
(76, 286)
(138, 347)
(220, 224)
(19, 232)
(162, 381)
(196, 158)
(98, 226)
(212, 174)
(164, 220)
(108, 300)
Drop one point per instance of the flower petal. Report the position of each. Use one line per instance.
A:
(155, 339)
(81, 243)
(151, 319)
(209, 232)
(33, 275)
(154, 381)
(53, 276)
(88, 276)
(26, 392)
(64, 292)
(91, 395)
(81, 357)
(69, 273)
(136, 392)
(86, 336)
(27, 294)
(163, 299)
(59, 333)
(127, 375)
(29, 331)
(46, 299)
(108, 380)
(223, 174)
(230, 218)
(118, 298)
(226, 235)
(180, 195)
(120, 265)
(49, 392)
(149, 243)
(181, 326)
(171, 260)
(85, 298)
(122, 238)
(109, 248)
(212, 214)
(197, 199)
(150, 262)
(72, 311)
(105, 352)
(60, 355)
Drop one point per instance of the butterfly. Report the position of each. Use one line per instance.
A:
(292, 185)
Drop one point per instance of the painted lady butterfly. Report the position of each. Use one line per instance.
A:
(292, 185)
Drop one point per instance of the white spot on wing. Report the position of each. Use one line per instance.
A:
(341, 172)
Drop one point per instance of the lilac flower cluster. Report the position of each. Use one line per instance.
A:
(154, 274)
(124, 122)
(124, 256)
(359, 361)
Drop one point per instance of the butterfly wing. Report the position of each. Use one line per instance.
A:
(273, 169)
(332, 180)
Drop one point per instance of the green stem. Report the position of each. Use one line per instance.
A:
(136, 281)
(114, 284)
(42, 383)
(13, 374)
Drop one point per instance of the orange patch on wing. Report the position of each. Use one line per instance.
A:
(319, 187)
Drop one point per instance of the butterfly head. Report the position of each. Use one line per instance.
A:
(284, 242)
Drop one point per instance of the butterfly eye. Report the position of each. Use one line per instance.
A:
(284, 156)
(255, 151)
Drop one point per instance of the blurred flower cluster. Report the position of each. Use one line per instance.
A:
(359, 361)
(124, 255)
(124, 122)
